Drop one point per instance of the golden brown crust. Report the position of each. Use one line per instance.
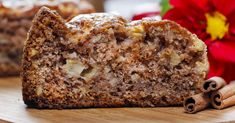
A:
(101, 60)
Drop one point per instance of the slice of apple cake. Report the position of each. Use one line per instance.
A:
(101, 60)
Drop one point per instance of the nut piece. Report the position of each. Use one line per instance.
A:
(32, 52)
(138, 29)
(137, 32)
(74, 67)
(174, 59)
(198, 45)
(39, 90)
(90, 74)
(201, 67)
(77, 69)
(121, 58)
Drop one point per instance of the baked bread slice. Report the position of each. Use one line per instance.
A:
(101, 60)
(15, 21)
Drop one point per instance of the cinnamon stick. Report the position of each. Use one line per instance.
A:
(225, 97)
(196, 103)
(212, 84)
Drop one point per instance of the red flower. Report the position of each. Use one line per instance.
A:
(214, 22)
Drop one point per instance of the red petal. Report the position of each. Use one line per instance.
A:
(232, 28)
(177, 14)
(216, 67)
(222, 69)
(191, 4)
(196, 24)
(226, 7)
(190, 8)
(183, 16)
(223, 50)
(231, 20)
(229, 71)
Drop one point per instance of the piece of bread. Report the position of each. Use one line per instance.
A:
(15, 22)
(101, 60)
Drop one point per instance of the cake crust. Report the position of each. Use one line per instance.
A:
(102, 60)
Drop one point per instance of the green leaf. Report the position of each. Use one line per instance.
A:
(165, 6)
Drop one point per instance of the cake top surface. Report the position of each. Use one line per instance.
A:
(90, 24)
(96, 20)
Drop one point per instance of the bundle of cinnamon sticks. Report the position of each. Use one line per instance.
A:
(215, 93)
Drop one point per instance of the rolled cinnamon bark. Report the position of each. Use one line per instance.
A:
(196, 103)
(213, 84)
(225, 97)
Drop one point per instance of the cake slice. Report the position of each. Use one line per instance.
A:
(15, 21)
(101, 60)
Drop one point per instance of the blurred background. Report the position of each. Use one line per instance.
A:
(128, 8)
